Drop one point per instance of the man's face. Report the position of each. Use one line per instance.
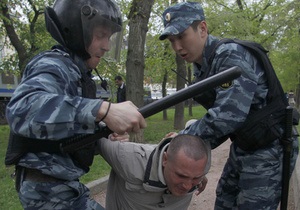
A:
(118, 82)
(99, 45)
(182, 173)
(190, 43)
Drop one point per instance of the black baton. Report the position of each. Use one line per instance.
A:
(191, 91)
(80, 141)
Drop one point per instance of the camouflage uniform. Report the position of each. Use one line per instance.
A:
(250, 180)
(48, 105)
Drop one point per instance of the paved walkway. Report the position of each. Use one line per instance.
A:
(205, 201)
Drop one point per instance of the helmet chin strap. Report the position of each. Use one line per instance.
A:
(103, 81)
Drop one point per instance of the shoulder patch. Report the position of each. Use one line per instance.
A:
(226, 85)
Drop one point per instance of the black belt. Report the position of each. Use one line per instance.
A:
(35, 175)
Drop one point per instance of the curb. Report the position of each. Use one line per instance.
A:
(98, 185)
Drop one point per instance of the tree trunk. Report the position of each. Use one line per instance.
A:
(181, 72)
(13, 37)
(179, 108)
(135, 64)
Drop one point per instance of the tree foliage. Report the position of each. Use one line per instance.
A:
(273, 23)
(23, 30)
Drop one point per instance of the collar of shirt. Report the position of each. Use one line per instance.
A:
(160, 167)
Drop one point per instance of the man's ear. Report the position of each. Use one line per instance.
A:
(202, 26)
(164, 159)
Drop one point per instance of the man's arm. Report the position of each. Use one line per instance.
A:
(127, 159)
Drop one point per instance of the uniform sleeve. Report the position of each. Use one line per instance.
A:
(47, 104)
(233, 101)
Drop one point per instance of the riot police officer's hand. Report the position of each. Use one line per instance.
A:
(117, 137)
(121, 117)
(201, 186)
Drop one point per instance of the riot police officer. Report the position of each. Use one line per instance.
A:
(250, 110)
(56, 100)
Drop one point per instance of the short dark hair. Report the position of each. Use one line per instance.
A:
(193, 146)
(118, 77)
(195, 24)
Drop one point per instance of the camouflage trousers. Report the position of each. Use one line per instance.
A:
(51, 195)
(252, 180)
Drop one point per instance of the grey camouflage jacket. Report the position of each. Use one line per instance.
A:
(232, 103)
(48, 104)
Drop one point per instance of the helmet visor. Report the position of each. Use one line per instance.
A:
(115, 46)
(92, 18)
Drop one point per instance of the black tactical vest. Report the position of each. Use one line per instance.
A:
(85, 156)
(261, 126)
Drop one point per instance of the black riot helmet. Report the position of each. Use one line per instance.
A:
(71, 22)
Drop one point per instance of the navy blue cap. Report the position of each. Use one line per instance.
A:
(179, 17)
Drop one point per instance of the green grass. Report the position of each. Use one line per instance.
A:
(9, 198)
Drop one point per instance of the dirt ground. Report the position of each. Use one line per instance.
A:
(205, 201)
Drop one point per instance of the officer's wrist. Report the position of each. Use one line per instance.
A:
(103, 111)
